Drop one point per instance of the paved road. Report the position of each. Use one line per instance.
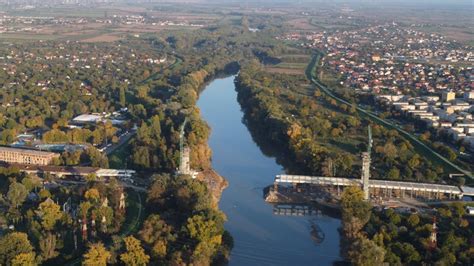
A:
(382, 121)
(124, 184)
(122, 140)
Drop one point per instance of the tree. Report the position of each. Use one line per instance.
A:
(107, 213)
(458, 209)
(390, 151)
(92, 194)
(155, 128)
(91, 178)
(461, 181)
(24, 259)
(135, 255)
(49, 214)
(95, 157)
(425, 136)
(328, 168)
(407, 252)
(355, 211)
(393, 174)
(44, 194)
(122, 98)
(413, 220)
(354, 205)
(414, 162)
(206, 233)
(159, 249)
(97, 255)
(17, 194)
(12, 245)
(47, 245)
(84, 208)
(31, 182)
(157, 191)
(365, 252)
(141, 157)
(154, 229)
(395, 219)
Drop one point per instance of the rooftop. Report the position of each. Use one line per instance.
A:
(87, 118)
(27, 151)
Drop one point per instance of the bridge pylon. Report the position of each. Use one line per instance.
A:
(366, 160)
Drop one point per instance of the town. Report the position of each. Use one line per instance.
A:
(244, 133)
(422, 75)
(449, 115)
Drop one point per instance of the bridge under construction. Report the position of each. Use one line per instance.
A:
(375, 189)
(380, 188)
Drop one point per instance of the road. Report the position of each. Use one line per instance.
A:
(124, 184)
(178, 60)
(122, 140)
(374, 117)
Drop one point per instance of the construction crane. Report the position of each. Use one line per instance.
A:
(181, 140)
(366, 165)
(369, 146)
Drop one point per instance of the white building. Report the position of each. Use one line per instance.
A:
(469, 95)
(87, 118)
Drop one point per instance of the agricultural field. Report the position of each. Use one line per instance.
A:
(292, 62)
(98, 25)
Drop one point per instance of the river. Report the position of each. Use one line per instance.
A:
(260, 237)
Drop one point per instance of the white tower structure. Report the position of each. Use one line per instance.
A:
(366, 160)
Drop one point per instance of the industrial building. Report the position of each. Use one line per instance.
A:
(23, 156)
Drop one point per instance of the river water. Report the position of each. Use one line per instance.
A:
(260, 237)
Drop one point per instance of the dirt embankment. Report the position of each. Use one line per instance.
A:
(215, 183)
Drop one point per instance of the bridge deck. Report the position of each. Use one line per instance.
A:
(467, 191)
(317, 180)
(381, 184)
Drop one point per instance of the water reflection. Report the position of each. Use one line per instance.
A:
(260, 236)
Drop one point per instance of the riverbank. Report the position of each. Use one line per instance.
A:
(260, 236)
(215, 184)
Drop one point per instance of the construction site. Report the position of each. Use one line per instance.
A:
(327, 190)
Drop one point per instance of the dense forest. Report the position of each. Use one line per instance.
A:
(372, 236)
(42, 224)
